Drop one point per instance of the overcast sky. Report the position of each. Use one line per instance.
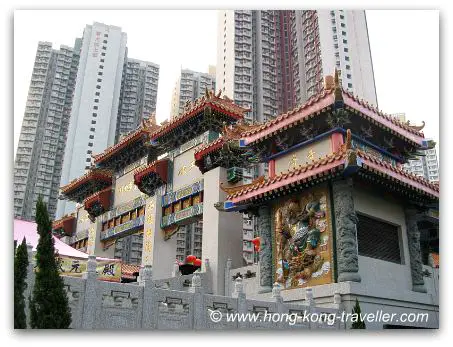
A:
(405, 53)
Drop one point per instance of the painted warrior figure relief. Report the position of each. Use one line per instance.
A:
(303, 237)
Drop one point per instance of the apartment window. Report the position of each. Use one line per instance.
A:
(92, 129)
(100, 73)
(349, 85)
(341, 16)
(343, 25)
(90, 144)
(106, 35)
(336, 46)
(377, 239)
(93, 122)
(102, 60)
(345, 41)
(97, 94)
(343, 33)
(89, 151)
(103, 54)
(98, 87)
(99, 79)
(104, 48)
(348, 67)
(346, 49)
(348, 76)
(101, 66)
(95, 114)
(105, 41)
(87, 167)
(88, 160)
(337, 54)
(346, 58)
(91, 137)
(95, 107)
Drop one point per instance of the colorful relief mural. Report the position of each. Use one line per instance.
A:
(303, 240)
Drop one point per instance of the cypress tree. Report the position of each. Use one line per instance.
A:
(49, 308)
(20, 284)
(360, 323)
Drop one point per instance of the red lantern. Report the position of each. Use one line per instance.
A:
(190, 259)
(257, 243)
(197, 262)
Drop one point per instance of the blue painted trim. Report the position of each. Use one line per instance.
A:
(334, 130)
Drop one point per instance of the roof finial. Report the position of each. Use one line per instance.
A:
(336, 78)
(348, 139)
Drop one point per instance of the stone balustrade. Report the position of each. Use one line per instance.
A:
(180, 302)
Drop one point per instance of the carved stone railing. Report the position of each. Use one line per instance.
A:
(107, 305)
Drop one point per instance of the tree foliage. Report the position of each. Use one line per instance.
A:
(49, 308)
(20, 284)
(358, 323)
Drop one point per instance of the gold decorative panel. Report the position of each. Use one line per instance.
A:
(303, 249)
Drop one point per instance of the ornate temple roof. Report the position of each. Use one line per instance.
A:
(65, 223)
(60, 222)
(333, 163)
(160, 167)
(101, 175)
(222, 104)
(145, 129)
(149, 177)
(201, 151)
(128, 271)
(328, 97)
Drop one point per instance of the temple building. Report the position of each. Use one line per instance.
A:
(336, 212)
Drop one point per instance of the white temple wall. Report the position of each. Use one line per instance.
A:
(125, 189)
(185, 171)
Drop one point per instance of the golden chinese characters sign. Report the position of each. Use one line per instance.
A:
(148, 231)
(303, 249)
(107, 270)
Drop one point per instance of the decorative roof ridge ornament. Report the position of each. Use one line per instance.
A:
(415, 127)
(338, 90)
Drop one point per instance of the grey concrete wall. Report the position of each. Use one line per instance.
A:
(396, 277)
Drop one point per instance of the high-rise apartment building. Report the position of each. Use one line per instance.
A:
(272, 61)
(80, 101)
(39, 157)
(92, 127)
(426, 166)
(138, 95)
(190, 86)
(188, 241)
